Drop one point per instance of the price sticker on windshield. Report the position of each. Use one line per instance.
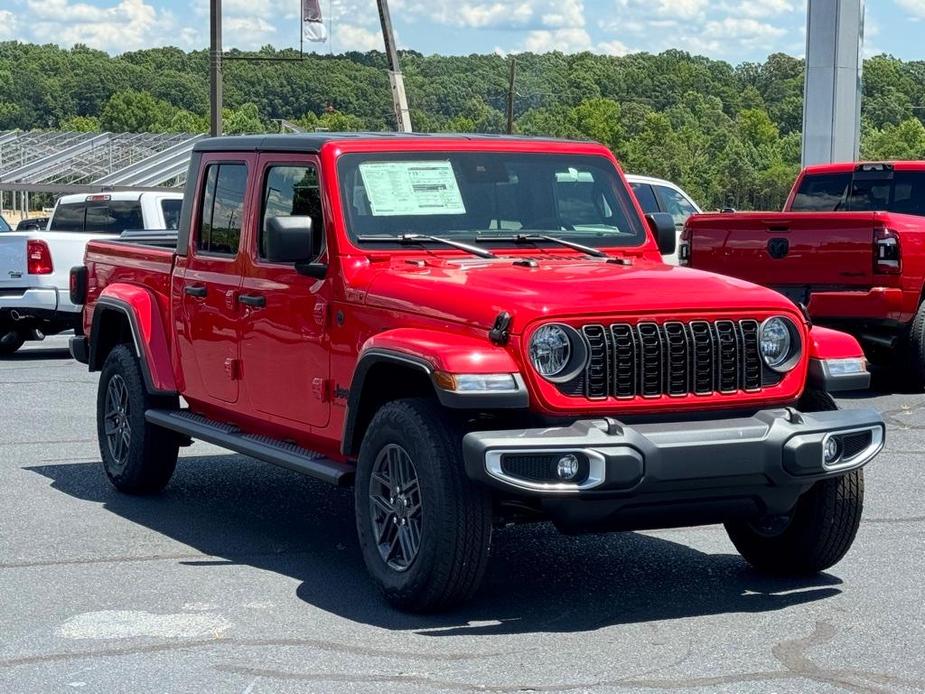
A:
(406, 188)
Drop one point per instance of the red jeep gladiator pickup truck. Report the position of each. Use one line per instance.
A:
(472, 332)
(849, 245)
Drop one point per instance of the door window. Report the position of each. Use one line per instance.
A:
(646, 197)
(678, 206)
(222, 209)
(291, 191)
(171, 210)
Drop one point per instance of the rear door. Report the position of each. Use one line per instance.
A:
(209, 285)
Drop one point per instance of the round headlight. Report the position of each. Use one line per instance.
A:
(776, 342)
(550, 349)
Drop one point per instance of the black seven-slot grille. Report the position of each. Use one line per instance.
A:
(672, 358)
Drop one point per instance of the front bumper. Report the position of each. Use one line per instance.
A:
(678, 473)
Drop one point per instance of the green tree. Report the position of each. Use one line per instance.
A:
(81, 124)
(135, 112)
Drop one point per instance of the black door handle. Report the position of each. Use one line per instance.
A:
(199, 292)
(253, 300)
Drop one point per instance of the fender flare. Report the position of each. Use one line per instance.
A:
(429, 352)
(149, 340)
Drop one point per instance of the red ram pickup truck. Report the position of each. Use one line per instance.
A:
(472, 332)
(849, 245)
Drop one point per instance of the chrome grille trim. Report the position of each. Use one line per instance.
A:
(674, 358)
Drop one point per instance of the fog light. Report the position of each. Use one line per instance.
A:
(567, 467)
(832, 450)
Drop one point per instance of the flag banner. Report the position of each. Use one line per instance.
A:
(313, 28)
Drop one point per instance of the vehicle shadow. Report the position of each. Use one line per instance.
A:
(37, 354)
(237, 511)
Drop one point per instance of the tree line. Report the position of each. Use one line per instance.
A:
(728, 134)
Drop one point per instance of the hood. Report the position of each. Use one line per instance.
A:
(476, 291)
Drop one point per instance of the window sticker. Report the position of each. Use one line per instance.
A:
(404, 188)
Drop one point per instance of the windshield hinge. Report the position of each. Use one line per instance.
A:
(500, 332)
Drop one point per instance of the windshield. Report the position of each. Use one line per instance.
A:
(3, 225)
(465, 195)
(884, 190)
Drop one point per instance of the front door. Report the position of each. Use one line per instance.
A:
(284, 347)
(210, 281)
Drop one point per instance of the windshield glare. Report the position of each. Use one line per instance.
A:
(468, 195)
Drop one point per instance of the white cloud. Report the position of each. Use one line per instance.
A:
(675, 9)
(494, 14)
(916, 7)
(763, 8)
(349, 37)
(127, 25)
(8, 25)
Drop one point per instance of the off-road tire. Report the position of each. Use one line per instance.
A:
(822, 526)
(456, 513)
(150, 455)
(913, 350)
(10, 341)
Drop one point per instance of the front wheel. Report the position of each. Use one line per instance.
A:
(424, 527)
(816, 534)
(138, 457)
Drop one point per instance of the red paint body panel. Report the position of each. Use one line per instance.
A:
(450, 353)
(290, 356)
(833, 344)
(830, 258)
(152, 338)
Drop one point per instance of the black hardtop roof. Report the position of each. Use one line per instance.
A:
(313, 142)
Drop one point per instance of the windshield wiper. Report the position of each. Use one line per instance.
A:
(533, 238)
(414, 239)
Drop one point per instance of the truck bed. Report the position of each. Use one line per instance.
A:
(119, 260)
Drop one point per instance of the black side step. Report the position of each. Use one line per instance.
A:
(287, 455)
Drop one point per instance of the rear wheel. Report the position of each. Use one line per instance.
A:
(424, 527)
(138, 457)
(11, 339)
(817, 532)
(914, 352)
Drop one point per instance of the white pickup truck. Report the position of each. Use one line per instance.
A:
(35, 265)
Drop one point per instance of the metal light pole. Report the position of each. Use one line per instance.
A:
(215, 67)
(399, 98)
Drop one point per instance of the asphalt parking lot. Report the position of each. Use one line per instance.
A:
(244, 577)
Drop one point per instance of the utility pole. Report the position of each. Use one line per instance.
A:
(215, 67)
(399, 98)
(510, 97)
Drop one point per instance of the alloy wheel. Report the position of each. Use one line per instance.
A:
(118, 429)
(395, 507)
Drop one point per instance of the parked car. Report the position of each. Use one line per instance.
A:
(3, 225)
(848, 246)
(473, 332)
(34, 265)
(32, 223)
(659, 195)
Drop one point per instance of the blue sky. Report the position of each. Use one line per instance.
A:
(732, 30)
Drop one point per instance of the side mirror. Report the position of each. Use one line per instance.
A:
(662, 226)
(294, 240)
(289, 240)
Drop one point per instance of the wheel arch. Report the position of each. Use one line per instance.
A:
(130, 315)
(380, 377)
